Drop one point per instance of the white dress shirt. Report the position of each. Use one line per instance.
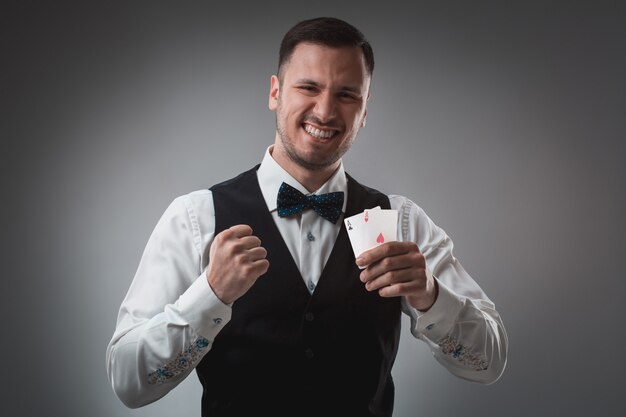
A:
(170, 316)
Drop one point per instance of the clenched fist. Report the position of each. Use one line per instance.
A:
(236, 260)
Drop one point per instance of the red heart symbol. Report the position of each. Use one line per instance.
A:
(380, 238)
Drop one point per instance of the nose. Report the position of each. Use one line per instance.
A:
(325, 107)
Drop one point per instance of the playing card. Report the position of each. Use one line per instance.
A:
(371, 228)
(356, 225)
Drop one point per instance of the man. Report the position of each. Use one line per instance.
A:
(268, 303)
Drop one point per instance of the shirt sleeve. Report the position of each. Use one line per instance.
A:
(462, 328)
(170, 316)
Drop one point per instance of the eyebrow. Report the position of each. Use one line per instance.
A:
(348, 88)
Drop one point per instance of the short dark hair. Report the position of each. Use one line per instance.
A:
(327, 31)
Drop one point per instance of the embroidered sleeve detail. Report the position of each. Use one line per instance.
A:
(180, 363)
(450, 346)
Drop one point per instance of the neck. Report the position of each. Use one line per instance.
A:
(312, 180)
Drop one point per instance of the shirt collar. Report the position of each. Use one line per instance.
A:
(271, 176)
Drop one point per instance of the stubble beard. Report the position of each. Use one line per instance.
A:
(310, 164)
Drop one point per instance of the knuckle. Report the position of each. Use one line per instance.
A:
(386, 263)
(382, 283)
(238, 261)
(413, 246)
(236, 247)
(259, 268)
(417, 257)
(265, 265)
(247, 270)
(222, 236)
(392, 276)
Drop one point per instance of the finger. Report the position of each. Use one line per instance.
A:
(258, 268)
(382, 251)
(248, 242)
(240, 230)
(385, 265)
(396, 290)
(400, 276)
(256, 254)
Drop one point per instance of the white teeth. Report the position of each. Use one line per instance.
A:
(322, 134)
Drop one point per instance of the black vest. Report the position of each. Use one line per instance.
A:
(287, 352)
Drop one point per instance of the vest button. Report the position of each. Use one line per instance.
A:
(309, 316)
(308, 353)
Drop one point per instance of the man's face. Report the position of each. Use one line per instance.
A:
(320, 106)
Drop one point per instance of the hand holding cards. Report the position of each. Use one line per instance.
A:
(371, 228)
(410, 277)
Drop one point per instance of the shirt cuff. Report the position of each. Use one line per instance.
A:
(202, 309)
(440, 318)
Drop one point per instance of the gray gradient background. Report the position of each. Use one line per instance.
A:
(504, 122)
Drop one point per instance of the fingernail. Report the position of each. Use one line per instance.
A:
(359, 261)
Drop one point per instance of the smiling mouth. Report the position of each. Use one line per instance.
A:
(318, 133)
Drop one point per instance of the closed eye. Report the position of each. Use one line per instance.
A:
(348, 95)
(307, 88)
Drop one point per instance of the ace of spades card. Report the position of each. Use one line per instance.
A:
(371, 228)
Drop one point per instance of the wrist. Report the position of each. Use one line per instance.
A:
(425, 302)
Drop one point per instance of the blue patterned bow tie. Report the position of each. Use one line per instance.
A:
(291, 201)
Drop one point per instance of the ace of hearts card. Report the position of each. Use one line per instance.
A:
(371, 228)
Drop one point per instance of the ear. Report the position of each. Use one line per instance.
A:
(364, 119)
(274, 92)
(365, 112)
